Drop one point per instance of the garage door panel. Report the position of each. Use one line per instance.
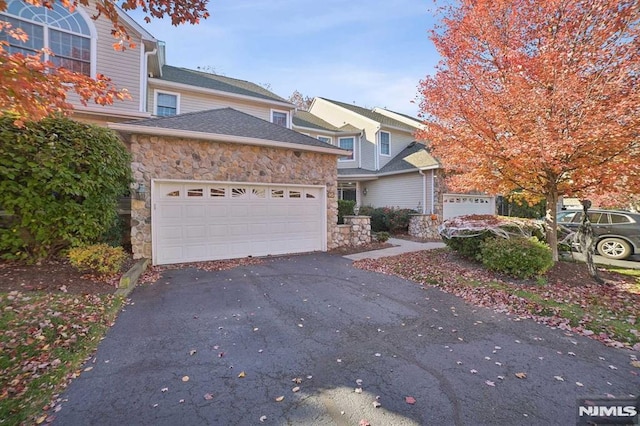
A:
(201, 221)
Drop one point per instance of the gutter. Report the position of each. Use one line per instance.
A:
(215, 137)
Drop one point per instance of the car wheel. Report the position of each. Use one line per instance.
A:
(614, 248)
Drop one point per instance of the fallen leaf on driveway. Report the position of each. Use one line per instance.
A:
(521, 375)
(164, 389)
(579, 384)
(208, 396)
(280, 399)
(262, 419)
(410, 400)
(192, 352)
(474, 371)
(185, 378)
(613, 367)
(376, 404)
(242, 375)
(558, 378)
(364, 422)
(490, 383)
(297, 380)
(296, 389)
(635, 364)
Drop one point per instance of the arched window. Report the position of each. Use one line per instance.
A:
(67, 34)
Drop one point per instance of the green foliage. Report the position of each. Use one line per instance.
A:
(100, 258)
(382, 236)
(388, 219)
(517, 256)
(59, 181)
(377, 218)
(515, 205)
(345, 208)
(468, 246)
(115, 233)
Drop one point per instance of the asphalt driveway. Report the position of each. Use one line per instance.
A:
(222, 348)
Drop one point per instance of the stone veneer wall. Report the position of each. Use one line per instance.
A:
(356, 231)
(180, 158)
(422, 226)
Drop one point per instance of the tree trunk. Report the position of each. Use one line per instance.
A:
(551, 223)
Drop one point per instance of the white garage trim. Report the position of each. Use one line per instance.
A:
(211, 220)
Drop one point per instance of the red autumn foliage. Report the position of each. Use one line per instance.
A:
(33, 89)
(537, 96)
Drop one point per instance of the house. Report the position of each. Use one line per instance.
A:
(387, 165)
(218, 171)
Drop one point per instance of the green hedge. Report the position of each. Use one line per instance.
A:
(59, 182)
(345, 208)
(388, 219)
(517, 256)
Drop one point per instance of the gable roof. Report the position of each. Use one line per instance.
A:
(372, 115)
(226, 125)
(414, 156)
(217, 82)
(307, 120)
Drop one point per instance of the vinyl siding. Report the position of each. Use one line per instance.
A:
(192, 102)
(338, 117)
(399, 141)
(403, 191)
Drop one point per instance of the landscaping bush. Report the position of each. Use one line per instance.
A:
(378, 223)
(100, 258)
(345, 208)
(468, 246)
(382, 236)
(397, 220)
(517, 256)
(59, 182)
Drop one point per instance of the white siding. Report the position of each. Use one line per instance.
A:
(192, 102)
(404, 191)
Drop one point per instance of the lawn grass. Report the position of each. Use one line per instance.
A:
(45, 338)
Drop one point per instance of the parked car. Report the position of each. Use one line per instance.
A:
(617, 232)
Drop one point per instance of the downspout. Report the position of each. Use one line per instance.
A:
(360, 149)
(143, 78)
(424, 193)
(433, 191)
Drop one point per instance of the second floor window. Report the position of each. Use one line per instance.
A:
(65, 33)
(346, 143)
(166, 104)
(385, 143)
(280, 118)
(325, 139)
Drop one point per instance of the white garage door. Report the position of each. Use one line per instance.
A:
(463, 204)
(196, 221)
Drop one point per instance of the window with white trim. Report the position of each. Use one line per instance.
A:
(167, 104)
(281, 118)
(66, 34)
(385, 143)
(346, 143)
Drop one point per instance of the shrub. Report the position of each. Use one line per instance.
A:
(377, 218)
(59, 181)
(468, 246)
(382, 236)
(397, 220)
(345, 208)
(517, 256)
(100, 258)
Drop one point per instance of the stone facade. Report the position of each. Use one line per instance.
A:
(423, 226)
(157, 157)
(356, 231)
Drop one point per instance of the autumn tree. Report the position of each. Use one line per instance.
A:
(302, 102)
(33, 89)
(541, 97)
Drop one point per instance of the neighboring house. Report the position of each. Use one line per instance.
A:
(387, 166)
(215, 178)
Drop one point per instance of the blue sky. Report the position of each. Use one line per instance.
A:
(367, 52)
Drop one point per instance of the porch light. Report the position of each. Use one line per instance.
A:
(141, 191)
(364, 191)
